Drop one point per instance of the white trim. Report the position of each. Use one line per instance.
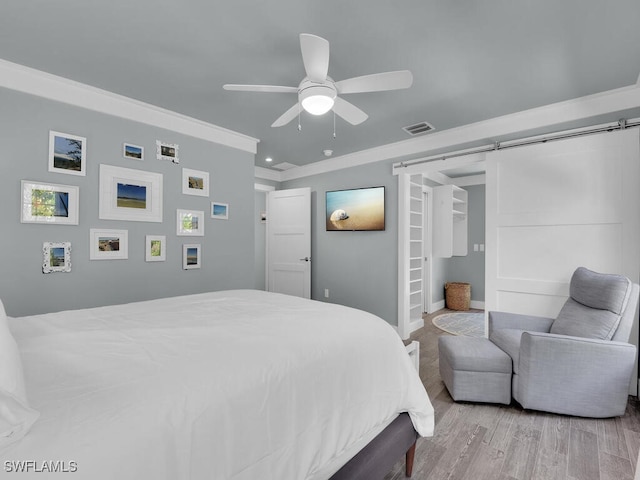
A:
(439, 305)
(479, 179)
(259, 187)
(266, 174)
(437, 177)
(476, 304)
(416, 325)
(516, 123)
(42, 84)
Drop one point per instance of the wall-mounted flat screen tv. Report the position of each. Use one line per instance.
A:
(356, 209)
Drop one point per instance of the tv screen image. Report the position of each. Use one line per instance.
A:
(355, 209)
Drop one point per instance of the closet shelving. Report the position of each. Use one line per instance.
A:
(450, 221)
(416, 250)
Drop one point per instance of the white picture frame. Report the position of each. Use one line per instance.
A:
(56, 257)
(191, 256)
(129, 194)
(155, 248)
(195, 182)
(133, 152)
(49, 203)
(108, 244)
(220, 210)
(167, 151)
(67, 153)
(190, 223)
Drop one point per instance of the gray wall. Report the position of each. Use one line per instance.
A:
(470, 269)
(360, 269)
(227, 247)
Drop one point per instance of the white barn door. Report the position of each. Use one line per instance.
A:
(289, 242)
(556, 206)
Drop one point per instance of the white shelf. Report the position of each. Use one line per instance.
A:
(450, 221)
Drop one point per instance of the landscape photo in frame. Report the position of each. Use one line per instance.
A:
(133, 151)
(67, 153)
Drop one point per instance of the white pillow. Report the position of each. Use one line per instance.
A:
(16, 417)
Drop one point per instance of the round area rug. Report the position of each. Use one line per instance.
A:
(469, 324)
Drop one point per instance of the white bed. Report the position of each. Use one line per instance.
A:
(235, 385)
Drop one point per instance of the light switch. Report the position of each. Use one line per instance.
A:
(475, 247)
(482, 247)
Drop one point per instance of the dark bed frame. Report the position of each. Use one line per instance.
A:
(379, 456)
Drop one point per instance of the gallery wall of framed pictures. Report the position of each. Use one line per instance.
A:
(125, 194)
(93, 209)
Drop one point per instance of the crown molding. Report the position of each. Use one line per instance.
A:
(35, 82)
(582, 108)
(267, 174)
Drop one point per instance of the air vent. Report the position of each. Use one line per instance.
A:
(418, 128)
(284, 166)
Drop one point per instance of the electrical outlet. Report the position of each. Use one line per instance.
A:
(326, 293)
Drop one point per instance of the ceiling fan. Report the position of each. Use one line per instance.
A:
(318, 93)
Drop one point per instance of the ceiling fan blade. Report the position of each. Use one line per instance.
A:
(287, 116)
(260, 88)
(349, 111)
(376, 82)
(315, 55)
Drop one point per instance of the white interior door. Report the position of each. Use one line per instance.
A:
(289, 242)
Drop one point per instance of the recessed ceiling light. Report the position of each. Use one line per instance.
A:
(327, 152)
(268, 159)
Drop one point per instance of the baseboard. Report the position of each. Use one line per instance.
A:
(477, 304)
(472, 304)
(415, 325)
(437, 306)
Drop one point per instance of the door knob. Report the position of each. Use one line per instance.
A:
(306, 259)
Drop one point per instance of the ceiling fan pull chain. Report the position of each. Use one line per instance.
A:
(299, 126)
(334, 124)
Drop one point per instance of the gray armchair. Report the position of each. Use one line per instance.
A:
(581, 362)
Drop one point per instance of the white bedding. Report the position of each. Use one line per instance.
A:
(228, 385)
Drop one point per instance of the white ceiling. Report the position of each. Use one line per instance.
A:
(471, 60)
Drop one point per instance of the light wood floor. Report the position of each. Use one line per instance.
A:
(481, 441)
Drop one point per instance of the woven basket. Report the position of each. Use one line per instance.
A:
(458, 295)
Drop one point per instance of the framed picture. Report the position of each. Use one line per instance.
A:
(220, 210)
(191, 256)
(167, 151)
(195, 182)
(49, 203)
(156, 248)
(108, 244)
(56, 257)
(190, 222)
(133, 151)
(67, 153)
(127, 194)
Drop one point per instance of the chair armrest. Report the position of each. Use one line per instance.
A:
(516, 321)
(574, 375)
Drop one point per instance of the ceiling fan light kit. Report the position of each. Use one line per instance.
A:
(317, 99)
(318, 94)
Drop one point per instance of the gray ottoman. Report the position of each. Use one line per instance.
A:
(475, 370)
